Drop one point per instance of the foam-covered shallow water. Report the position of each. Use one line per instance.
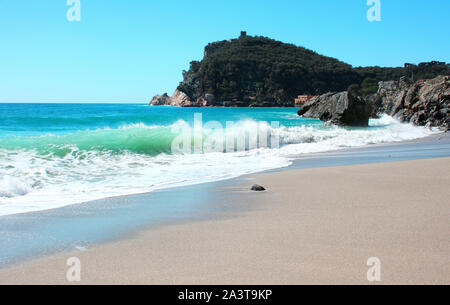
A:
(53, 155)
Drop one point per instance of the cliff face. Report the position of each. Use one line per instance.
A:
(423, 103)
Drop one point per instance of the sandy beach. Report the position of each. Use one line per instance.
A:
(232, 146)
(312, 226)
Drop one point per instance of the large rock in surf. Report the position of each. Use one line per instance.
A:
(338, 108)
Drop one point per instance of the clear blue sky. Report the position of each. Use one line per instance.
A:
(129, 50)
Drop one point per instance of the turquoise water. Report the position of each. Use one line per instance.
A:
(53, 155)
(62, 119)
(117, 127)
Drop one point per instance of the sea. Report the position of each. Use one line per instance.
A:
(54, 155)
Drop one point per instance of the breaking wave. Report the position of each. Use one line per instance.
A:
(49, 171)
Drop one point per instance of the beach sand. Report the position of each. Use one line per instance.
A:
(311, 226)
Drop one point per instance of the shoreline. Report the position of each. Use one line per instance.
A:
(293, 159)
(227, 209)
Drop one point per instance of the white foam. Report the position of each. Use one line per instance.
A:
(384, 130)
(12, 187)
(32, 182)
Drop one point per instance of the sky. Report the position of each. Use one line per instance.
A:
(126, 51)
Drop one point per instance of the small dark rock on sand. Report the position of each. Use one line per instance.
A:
(258, 188)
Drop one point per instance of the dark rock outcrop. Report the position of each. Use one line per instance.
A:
(338, 108)
(423, 103)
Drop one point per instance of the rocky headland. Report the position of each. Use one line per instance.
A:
(255, 71)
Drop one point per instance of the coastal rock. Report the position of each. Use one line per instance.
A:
(181, 99)
(258, 188)
(178, 99)
(338, 108)
(391, 96)
(423, 103)
(160, 100)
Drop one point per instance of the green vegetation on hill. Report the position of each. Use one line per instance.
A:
(259, 69)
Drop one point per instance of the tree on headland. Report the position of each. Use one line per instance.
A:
(369, 86)
(354, 89)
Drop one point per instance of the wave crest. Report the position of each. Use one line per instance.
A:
(50, 171)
